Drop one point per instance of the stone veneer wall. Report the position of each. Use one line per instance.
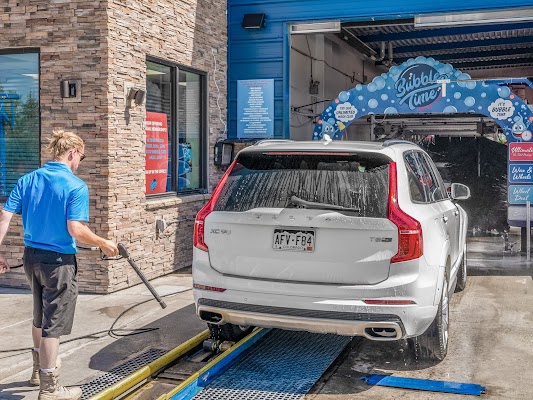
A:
(105, 44)
(185, 32)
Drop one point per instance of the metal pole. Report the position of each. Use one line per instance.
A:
(372, 126)
(528, 230)
(124, 253)
(478, 162)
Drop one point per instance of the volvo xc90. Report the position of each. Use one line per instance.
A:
(352, 238)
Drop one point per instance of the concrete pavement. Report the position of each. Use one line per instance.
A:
(92, 348)
(491, 337)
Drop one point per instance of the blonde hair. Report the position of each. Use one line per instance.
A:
(62, 141)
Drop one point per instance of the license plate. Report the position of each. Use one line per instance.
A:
(294, 240)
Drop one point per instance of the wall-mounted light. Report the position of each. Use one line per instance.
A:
(135, 97)
(254, 21)
(70, 90)
(474, 18)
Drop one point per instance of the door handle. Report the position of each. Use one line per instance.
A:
(445, 219)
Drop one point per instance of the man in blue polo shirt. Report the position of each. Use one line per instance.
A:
(54, 205)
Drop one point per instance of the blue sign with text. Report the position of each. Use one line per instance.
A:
(255, 109)
(520, 194)
(520, 173)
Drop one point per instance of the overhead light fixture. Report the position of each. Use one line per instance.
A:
(317, 27)
(474, 18)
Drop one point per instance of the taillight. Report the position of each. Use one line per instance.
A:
(199, 233)
(409, 229)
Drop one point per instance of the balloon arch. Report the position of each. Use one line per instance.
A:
(424, 85)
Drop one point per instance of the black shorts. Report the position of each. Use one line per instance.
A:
(54, 283)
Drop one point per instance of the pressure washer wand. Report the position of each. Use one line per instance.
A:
(124, 253)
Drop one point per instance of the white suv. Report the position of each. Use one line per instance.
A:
(353, 238)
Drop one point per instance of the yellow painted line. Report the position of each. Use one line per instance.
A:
(148, 370)
(196, 375)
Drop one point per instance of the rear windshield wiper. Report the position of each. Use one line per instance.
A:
(320, 206)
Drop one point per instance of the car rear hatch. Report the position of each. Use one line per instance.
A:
(304, 217)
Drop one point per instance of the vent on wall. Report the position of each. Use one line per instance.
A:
(254, 21)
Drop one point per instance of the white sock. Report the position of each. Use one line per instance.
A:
(47, 370)
(36, 349)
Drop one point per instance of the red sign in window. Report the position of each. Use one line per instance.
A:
(156, 153)
(520, 151)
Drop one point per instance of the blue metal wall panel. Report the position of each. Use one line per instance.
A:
(264, 53)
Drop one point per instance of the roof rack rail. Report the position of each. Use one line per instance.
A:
(391, 142)
(268, 141)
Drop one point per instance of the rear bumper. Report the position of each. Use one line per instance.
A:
(320, 308)
(371, 326)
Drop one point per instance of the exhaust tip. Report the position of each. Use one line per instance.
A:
(382, 333)
(211, 317)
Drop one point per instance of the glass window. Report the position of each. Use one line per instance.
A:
(174, 129)
(440, 181)
(190, 127)
(434, 189)
(415, 176)
(159, 126)
(352, 183)
(19, 117)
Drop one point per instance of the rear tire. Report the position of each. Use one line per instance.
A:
(432, 345)
(229, 332)
(461, 275)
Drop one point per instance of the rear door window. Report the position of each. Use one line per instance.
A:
(356, 182)
(438, 176)
(415, 173)
(434, 182)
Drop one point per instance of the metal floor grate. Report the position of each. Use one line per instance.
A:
(120, 372)
(282, 366)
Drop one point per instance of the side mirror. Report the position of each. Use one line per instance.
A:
(460, 191)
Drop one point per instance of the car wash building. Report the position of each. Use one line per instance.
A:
(143, 83)
(450, 76)
(146, 86)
